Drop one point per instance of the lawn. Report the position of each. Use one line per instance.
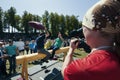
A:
(80, 53)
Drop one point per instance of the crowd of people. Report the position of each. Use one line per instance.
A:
(9, 50)
(101, 29)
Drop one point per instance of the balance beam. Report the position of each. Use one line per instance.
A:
(24, 59)
(61, 50)
(20, 59)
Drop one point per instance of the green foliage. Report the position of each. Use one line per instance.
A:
(52, 21)
(1, 25)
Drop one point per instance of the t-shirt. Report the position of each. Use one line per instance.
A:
(48, 44)
(58, 42)
(98, 65)
(31, 45)
(11, 50)
(19, 44)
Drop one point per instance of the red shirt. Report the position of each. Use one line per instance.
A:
(99, 65)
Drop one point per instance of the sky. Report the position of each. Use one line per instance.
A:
(38, 7)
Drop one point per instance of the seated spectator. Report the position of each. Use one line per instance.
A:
(56, 45)
(48, 42)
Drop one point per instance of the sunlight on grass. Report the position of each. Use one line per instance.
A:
(80, 53)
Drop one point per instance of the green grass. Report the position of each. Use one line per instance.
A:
(80, 53)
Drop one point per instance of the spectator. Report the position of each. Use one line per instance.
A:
(11, 50)
(31, 46)
(3, 72)
(27, 46)
(56, 45)
(20, 44)
(48, 42)
(101, 28)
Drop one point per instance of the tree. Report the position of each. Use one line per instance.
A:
(51, 22)
(38, 19)
(74, 22)
(1, 20)
(62, 26)
(12, 12)
(54, 24)
(25, 19)
(17, 22)
(45, 19)
(6, 21)
(67, 24)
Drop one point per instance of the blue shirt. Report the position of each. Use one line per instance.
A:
(31, 45)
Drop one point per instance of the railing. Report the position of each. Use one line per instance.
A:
(24, 59)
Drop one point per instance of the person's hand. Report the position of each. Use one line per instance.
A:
(45, 29)
(59, 34)
(47, 34)
(6, 56)
(74, 43)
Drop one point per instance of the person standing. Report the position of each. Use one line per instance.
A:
(101, 28)
(27, 46)
(11, 50)
(21, 46)
(3, 72)
(31, 46)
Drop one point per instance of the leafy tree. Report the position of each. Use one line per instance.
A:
(45, 19)
(18, 22)
(25, 19)
(74, 22)
(51, 22)
(6, 23)
(54, 24)
(36, 18)
(1, 20)
(68, 24)
(62, 26)
(11, 13)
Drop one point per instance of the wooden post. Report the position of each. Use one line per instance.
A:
(24, 59)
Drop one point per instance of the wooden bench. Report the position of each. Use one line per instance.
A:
(24, 59)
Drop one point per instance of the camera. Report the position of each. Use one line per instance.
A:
(79, 34)
(76, 33)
